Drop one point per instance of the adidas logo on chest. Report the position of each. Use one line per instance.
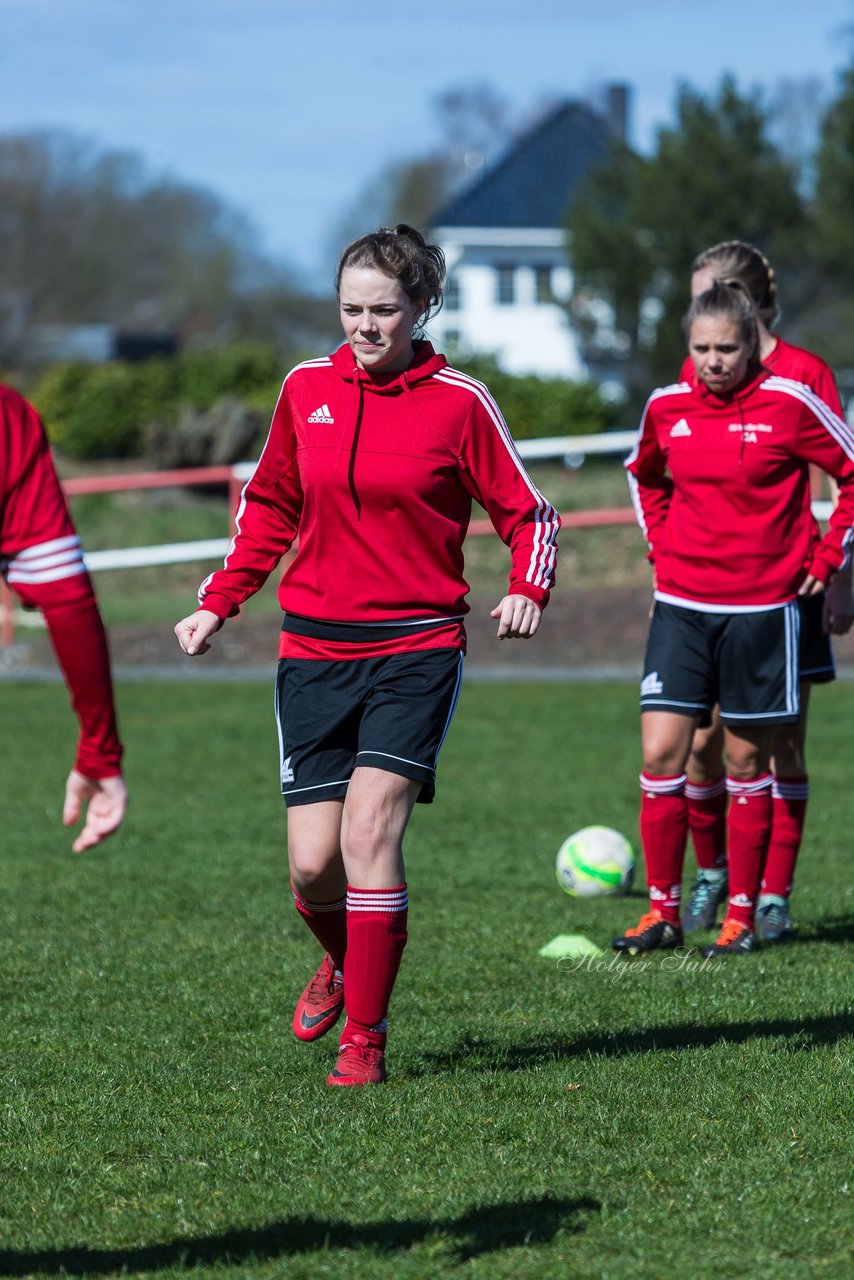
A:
(321, 415)
(680, 429)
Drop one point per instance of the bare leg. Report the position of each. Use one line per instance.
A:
(314, 850)
(376, 813)
(705, 762)
(666, 742)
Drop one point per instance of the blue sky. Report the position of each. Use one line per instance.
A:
(287, 108)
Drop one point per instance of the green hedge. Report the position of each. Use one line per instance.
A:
(535, 407)
(99, 411)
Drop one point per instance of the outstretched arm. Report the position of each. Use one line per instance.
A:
(43, 563)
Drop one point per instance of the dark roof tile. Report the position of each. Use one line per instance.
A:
(534, 182)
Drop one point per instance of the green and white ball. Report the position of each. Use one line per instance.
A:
(595, 862)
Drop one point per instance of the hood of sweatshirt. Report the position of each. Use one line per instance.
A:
(425, 362)
(736, 399)
(754, 377)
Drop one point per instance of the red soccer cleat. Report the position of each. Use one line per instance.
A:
(358, 1063)
(321, 1004)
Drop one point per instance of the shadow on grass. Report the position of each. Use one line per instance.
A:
(834, 929)
(483, 1230)
(479, 1053)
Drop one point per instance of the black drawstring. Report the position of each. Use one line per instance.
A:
(354, 443)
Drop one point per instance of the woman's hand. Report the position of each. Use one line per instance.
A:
(102, 800)
(518, 618)
(811, 586)
(193, 632)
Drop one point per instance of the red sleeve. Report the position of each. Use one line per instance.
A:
(80, 643)
(650, 486)
(267, 519)
(824, 385)
(827, 441)
(523, 518)
(42, 561)
(39, 549)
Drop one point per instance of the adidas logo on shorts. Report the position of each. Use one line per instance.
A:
(651, 684)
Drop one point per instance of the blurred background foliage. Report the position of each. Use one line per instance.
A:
(92, 238)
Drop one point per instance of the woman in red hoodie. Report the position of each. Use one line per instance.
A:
(374, 456)
(720, 481)
(830, 613)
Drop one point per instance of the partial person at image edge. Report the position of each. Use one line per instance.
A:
(42, 562)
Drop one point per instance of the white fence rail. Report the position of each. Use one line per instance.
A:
(571, 450)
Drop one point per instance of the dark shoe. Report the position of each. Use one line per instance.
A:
(707, 894)
(734, 939)
(773, 921)
(651, 932)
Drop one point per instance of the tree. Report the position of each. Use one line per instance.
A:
(640, 222)
(474, 125)
(834, 195)
(825, 319)
(91, 237)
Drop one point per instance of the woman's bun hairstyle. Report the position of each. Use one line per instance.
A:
(402, 254)
(736, 260)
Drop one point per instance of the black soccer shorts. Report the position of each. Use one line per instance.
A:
(747, 662)
(816, 655)
(387, 713)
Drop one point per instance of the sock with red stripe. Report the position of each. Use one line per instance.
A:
(328, 923)
(789, 797)
(664, 832)
(707, 808)
(376, 937)
(748, 833)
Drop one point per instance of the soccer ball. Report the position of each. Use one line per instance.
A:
(595, 862)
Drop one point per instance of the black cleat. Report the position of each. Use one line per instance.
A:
(734, 939)
(651, 932)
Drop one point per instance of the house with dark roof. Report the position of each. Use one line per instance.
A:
(510, 280)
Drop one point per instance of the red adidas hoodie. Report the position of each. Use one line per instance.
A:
(375, 476)
(721, 489)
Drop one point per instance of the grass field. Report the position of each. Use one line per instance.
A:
(640, 1120)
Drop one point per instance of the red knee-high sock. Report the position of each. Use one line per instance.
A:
(788, 816)
(664, 832)
(707, 806)
(749, 830)
(376, 936)
(328, 923)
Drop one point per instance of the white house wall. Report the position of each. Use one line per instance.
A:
(526, 336)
